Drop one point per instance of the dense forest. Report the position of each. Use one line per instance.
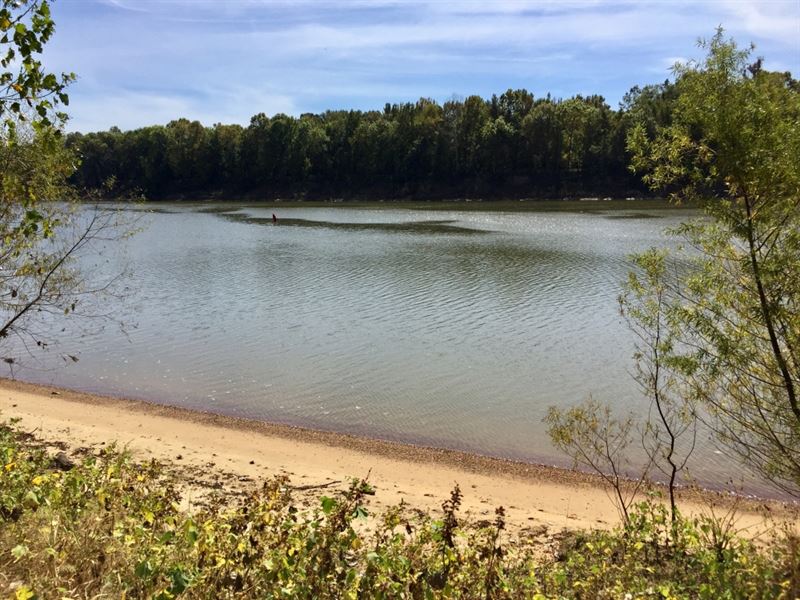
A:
(513, 145)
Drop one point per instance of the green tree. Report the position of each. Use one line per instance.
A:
(733, 145)
(308, 144)
(474, 116)
(188, 153)
(595, 439)
(40, 233)
(373, 149)
(511, 145)
(27, 90)
(225, 153)
(670, 430)
(650, 106)
(543, 133)
(29, 97)
(496, 143)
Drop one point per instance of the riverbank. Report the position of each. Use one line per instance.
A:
(583, 205)
(208, 451)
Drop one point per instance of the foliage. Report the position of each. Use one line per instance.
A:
(637, 561)
(593, 438)
(34, 164)
(734, 316)
(670, 431)
(26, 89)
(509, 144)
(112, 527)
(41, 232)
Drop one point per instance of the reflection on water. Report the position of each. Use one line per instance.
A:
(398, 323)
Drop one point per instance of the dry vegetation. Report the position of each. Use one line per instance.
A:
(107, 526)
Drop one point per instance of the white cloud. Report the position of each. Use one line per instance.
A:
(149, 61)
(100, 109)
(779, 21)
(665, 65)
(125, 5)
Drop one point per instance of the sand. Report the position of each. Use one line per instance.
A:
(230, 454)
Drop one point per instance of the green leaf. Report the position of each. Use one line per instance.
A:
(191, 533)
(166, 537)
(328, 504)
(180, 581)
(33, 216)
(31, 500)
(143, 569)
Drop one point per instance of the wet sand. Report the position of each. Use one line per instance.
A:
(209, 451)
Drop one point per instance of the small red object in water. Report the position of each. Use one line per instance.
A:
(274, 218)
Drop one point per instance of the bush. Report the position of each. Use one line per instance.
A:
(112, 527)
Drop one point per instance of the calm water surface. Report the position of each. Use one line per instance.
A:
(448, 328)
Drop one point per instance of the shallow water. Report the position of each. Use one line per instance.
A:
(450, 328)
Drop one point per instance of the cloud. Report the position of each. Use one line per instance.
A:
(666, 64)
(100, 109)
(151, 60)
(124, 5)
(778, 21)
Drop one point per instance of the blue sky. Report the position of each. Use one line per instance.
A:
(143, 62)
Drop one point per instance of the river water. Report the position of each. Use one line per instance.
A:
(452, 328)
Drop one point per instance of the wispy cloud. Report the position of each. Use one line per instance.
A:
(777, 20)
(126, 109)
(148, 61)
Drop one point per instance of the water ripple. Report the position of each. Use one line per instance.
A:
(396, 323)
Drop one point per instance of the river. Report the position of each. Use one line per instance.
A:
(452, 327)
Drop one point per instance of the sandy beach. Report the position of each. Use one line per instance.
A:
(228, 454)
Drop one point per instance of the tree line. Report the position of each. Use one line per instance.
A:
(512, 145)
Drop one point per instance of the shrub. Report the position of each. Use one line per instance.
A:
(114, 527)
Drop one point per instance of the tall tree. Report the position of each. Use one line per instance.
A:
(733, 145)
(511, 145)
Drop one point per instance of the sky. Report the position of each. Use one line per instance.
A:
(145, 62)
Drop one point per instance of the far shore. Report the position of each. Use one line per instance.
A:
(570, 204)
(229, 454)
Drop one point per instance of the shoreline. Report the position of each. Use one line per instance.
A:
(231, 453)
(572, 204)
